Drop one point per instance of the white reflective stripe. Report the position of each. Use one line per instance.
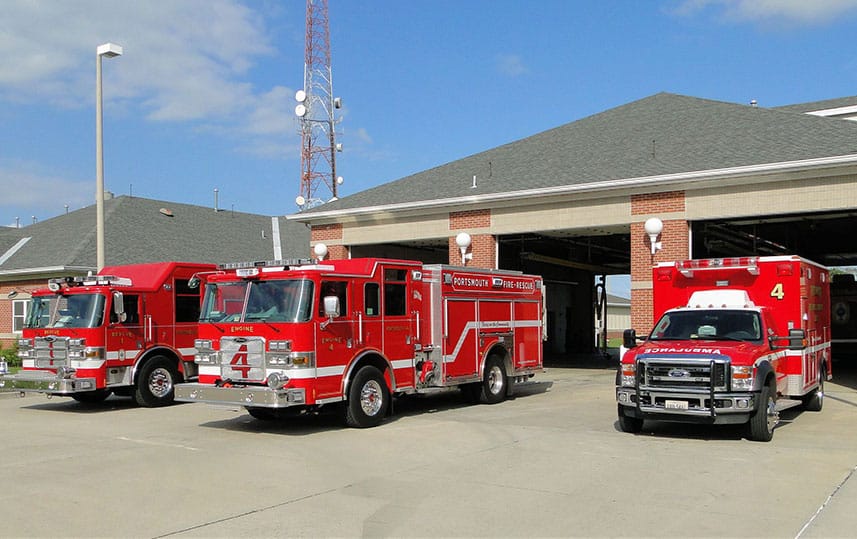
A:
(129, 354)
(87, 364)
(209, 370)
(403, 363)
(499, 323)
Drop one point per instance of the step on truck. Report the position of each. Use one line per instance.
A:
(737, 341)
(287, 338)
(129, 330)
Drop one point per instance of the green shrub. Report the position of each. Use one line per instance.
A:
(10, 355)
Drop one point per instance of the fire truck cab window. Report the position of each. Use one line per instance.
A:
(372, 299)
(395, 292)
(130, 304)
(74, 311)
(334, 288)
(187, 302)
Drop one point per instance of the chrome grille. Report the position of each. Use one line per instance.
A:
(50, 352)
(683, 374)
(242, 358)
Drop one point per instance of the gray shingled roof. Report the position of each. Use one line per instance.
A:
(137, 231)
(661, 134)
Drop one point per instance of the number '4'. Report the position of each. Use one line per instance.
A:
(777, 291)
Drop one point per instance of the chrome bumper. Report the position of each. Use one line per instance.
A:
(259, 396)
(656, 402)
(45, 382)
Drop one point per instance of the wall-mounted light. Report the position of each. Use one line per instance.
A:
(320, 251)
(653, 228)
(463, 241)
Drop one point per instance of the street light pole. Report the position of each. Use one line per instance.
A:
(109, 50)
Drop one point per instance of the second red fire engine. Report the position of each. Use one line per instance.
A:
(286, 337)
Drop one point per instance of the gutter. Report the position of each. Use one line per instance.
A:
(592, 187)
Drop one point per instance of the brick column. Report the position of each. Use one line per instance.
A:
(675, 238)
(483, 246)
(329, 235)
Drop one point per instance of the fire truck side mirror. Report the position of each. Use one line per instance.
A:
(193, 282)
(119, 306)
(629, 338)
(331, 309)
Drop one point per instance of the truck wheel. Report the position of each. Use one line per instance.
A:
(368, 399)
(493, 381)
(155, 384)
(629, 424)
(814, 400)
(91, 397)
(765, 417)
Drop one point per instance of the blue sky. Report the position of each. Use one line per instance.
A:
(203, 96)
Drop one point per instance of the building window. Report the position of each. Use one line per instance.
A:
(19, 313)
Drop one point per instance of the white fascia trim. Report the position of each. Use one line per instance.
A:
(609, 185)
(838, 111)
(48, 269)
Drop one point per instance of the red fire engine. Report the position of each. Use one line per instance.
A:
(281, 338)
(735, 335)
(128, 330)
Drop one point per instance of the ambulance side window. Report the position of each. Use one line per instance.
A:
(394, 292)
(372, 299)
(334, 288)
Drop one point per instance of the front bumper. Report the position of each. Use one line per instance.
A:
(45, 382)
(257, 396)
(691, 407)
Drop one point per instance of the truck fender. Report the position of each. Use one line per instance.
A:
(159, 351)
(764, 371)
(369, 357)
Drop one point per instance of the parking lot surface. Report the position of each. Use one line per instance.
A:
(550, 462)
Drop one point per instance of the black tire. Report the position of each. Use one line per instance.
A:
(91, 397)
(629, 424)
(156, 382)
(765, 417)
(814, 400)
(494, 381)
(472, 392)
(368, 399)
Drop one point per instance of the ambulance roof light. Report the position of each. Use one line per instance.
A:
(749, 263)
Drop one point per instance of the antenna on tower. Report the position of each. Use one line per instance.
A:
(316, 110)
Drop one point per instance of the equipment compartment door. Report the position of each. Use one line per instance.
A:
(460, 338)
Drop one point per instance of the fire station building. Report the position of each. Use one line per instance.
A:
(712, 179)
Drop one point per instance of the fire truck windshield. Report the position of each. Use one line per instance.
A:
(71, 311)
(715, 324)
(284, 300)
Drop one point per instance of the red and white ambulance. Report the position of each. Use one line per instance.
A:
(129, 330)
(738, 340)
(288, 337)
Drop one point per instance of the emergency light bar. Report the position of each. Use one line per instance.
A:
(90, 280)
(749, 263)
(265, 264)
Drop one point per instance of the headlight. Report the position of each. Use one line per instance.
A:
(629, 374)
(202, 345)
(742, 378)
(277, 380)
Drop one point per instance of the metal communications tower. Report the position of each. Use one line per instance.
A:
(315, 109)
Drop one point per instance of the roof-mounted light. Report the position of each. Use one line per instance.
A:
(266, 264)
(749, 263)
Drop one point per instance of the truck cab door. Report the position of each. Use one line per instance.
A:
(126, 334)
(335, 337)
(398, 326)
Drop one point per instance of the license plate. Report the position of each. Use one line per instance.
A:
(675, 405)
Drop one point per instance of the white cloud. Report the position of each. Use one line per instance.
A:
(789, 11)
(511, 65)
(183, 61)
(29, 185)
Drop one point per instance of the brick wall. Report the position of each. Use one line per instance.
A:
(483, 247)
(675, 239)
(326, 233)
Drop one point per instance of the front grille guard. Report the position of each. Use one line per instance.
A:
(640, 373)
